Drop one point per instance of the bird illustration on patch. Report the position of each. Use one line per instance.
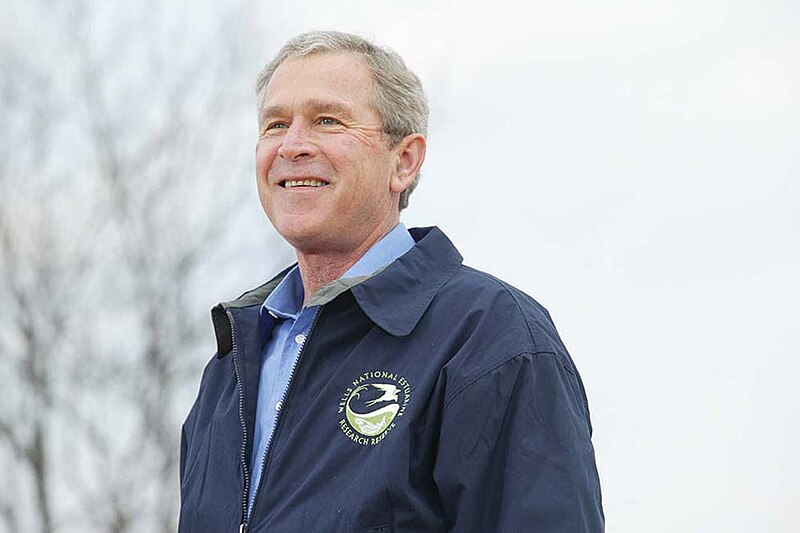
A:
(373, 423)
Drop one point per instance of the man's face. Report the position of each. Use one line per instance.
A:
(323, 166)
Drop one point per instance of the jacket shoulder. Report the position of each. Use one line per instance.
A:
(487, 322)
(506, 308)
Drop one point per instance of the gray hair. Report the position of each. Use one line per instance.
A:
(397, 94)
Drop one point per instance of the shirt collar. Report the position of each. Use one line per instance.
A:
(286, 301)
(393, 245)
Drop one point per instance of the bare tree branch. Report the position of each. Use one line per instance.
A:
(119, 169)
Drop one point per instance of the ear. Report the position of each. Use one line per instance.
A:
(410, 153)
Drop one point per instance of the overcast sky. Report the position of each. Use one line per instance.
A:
(634, 167)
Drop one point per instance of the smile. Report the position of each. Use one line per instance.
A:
(288, 184)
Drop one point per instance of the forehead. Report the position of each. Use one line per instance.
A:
(341, 78)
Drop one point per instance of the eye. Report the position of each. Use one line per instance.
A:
(328, 121)
(276, 125)
(273, 125)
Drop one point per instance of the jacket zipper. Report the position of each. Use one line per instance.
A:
(242, 457)
(286, 391)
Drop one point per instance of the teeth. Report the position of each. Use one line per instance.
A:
(300, 183)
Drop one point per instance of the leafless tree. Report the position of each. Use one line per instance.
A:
(121, 166)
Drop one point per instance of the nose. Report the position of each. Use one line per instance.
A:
(296, 143)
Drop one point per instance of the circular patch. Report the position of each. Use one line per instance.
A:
(371, 405)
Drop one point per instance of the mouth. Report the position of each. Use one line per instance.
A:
(305, 183)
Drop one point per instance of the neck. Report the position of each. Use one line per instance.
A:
(318, 268)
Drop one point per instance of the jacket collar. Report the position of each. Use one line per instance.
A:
(394, 299)
(219, 313)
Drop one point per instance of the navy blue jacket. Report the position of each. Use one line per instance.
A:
(430, 397)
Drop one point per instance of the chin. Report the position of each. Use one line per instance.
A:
(303, 236)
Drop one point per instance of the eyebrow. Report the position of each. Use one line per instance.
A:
(313, 105)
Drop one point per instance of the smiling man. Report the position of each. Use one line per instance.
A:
(328, 178)
(378, 385)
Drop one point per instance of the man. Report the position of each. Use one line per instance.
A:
(378, 385)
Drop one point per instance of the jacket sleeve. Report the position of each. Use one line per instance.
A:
(515, 451)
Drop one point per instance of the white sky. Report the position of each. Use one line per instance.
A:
(634, 167)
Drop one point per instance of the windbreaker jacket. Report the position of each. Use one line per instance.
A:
(429, 397)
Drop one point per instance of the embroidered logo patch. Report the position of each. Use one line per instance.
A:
(370, 405)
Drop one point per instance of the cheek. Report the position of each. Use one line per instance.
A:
(264, 158)
(265, 155)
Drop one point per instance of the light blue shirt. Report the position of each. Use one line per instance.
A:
(288, 336)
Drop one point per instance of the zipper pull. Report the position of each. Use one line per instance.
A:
(241, 527)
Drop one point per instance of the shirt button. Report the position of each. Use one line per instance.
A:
(278, 406)
(300, 339)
